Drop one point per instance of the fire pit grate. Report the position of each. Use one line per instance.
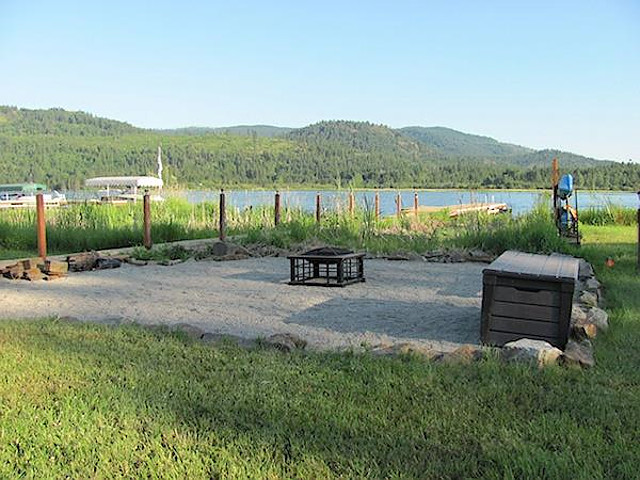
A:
(327, 267)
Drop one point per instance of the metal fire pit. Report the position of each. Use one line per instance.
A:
(327, 267)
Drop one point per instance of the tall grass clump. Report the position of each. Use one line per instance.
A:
(92, 227)
(532, 232)
(610, 214)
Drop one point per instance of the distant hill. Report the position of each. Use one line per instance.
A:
(62, 148)
(56, 121)
(266, 131)
(457, 143)
(360, 136)
(464, 145)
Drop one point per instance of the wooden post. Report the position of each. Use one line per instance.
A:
(415, 204)
(555, 172)
(377, 205)
(41, 228)
(146, 209)
(276, 210)
(555, 178)
(318, 207)
(223, 216)
(398, 205)
(352, 203)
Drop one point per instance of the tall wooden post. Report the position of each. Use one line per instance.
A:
(352, 203)
(223, 216)
(398, 205)
(555, 178)
(146, 209)
(41, 228)
(276, 210)
(377, 205)
(318, 208)
(415, 204)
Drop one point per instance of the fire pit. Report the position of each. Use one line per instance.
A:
(327, 267)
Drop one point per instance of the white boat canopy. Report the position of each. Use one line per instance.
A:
(131, 182)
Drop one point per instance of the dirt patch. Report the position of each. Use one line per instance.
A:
(437, 305)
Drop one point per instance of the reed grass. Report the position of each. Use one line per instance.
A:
(609, 214)
(94, 227)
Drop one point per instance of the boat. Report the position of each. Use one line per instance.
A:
(23, 195)
(122, 190)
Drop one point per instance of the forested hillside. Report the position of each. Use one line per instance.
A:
(63, 148)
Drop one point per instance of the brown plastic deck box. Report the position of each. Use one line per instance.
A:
(528, 296)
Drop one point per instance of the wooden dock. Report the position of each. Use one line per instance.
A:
(56, 202)
(461, 209)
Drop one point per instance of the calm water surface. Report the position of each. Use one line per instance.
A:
(520, 202)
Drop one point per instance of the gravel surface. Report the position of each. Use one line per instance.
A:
(436, 305)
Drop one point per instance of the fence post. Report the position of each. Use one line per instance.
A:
(352, 203)
(398, 205)
(415, 204)
(223, 216)
(555, 177)
(146, 209)
(41, 228)
(276, 210)
(318, 207)
(377, 205)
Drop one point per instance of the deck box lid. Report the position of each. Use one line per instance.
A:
(555, 268)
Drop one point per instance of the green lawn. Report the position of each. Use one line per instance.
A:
(89, 401)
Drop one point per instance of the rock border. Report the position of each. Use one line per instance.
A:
(587, 316)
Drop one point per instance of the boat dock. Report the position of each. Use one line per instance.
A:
(462, 208)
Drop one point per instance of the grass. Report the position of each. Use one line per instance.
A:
(90, 401)
(610, 214)
(96, 227)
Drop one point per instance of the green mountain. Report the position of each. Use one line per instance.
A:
(63, 148)
(267, 131)
(56, 121)
(453, 142)
(486, 149)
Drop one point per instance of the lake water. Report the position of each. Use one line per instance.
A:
(520, 202)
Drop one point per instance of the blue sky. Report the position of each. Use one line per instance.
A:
(542, 74)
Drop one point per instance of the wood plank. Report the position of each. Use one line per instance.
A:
(523, 283)
(550, 267)
(532, 297)
(525, 327)
(526, 312)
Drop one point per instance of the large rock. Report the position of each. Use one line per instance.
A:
(578, 314)
(221, 249)
(579, 353)
(584, 330)
(599, 318)
(531, 351)
(589, 299)
(287, 342)
(592, 285)
(585, 270)
(464, 354)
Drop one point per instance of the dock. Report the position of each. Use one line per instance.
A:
(20, 203)
(461, 208)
